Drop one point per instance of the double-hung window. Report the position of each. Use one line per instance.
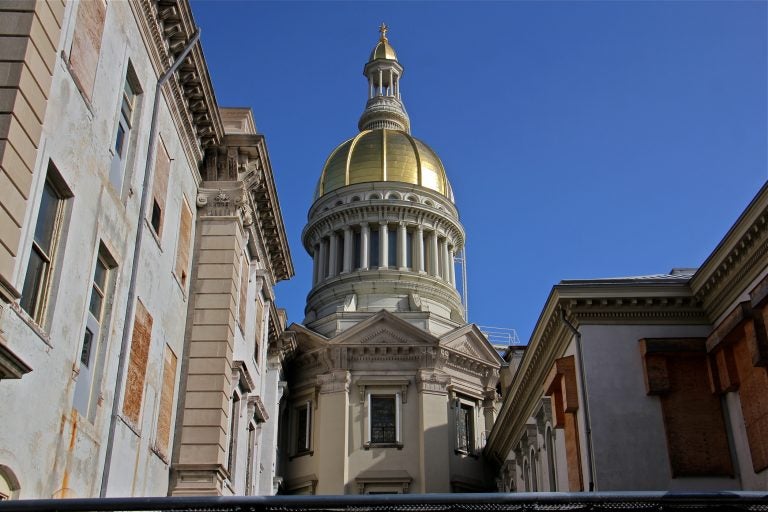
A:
(122, 135)
(45, 242)
(84, 389)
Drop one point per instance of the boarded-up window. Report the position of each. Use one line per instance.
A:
(86, 43)
(243, 290)
(182, 252)
(160, 188)
(561, 388)
(166, 401)
(676, 371)
(137, 364)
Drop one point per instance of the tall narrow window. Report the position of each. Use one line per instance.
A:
(249, 487)
(233, 430)
(303, 427)
(373, 253)
(550, 445)
(165, 412)
(92, 336)
(137, 364)
(34, 295)
(244, 268)
(356, 250)
(182, 250)
(160, 188)
(392, 247)
(465, 428)
(382, 413)
(122, 134)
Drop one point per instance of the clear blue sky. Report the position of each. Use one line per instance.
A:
(582, 139)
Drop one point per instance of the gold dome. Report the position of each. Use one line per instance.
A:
(383, 50)
(383, 155)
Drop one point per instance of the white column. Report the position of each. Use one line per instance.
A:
(316, 264)
(418, 249)
(402, 257)
(433, 261)
(365, 245)
(381, 84)
(370, 87)
(391, 83)
(349, 246)
(452, 267)
(333, 258)
(323, 267)
(383, 246)
(444, 257)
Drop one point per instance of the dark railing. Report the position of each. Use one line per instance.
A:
(496, 502)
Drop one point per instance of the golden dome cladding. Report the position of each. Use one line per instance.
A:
(383, 155)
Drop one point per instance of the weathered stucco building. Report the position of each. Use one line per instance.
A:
(646, 383)
(140, 238)
(391, 391)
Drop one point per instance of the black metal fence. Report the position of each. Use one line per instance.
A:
(491, 502)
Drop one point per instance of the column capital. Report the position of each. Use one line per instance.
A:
(364, 225)
(383, 223)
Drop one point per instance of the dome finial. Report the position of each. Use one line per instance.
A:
(383, 29)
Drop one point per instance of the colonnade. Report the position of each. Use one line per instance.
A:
(376, 85)
(384, 245)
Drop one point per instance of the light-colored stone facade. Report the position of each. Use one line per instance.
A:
(105, 302)
(391, 391)
(668, 391)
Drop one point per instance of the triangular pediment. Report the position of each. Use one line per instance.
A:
(384, 328)
(469, 341)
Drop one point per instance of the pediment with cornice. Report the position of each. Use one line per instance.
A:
(386, 329)
(467, 340)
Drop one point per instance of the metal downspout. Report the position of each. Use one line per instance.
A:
(583, 382)
(125, 341)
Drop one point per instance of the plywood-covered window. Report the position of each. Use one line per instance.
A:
(160, 188)
(137, 364)
(165, 412)
(183, 249)
(86, 43)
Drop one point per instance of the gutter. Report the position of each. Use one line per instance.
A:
(127, 331)
(583, 382)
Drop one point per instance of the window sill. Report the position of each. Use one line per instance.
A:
(466, 453)
(24, 317)
(181, 286)
(301, 454)
(151, 230)
(368, 446)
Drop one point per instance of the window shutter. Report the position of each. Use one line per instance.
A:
(166, 401)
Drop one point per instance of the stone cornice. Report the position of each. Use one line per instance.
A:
(736, 261)
(166, 26)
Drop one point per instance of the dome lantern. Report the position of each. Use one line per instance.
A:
(384, 108)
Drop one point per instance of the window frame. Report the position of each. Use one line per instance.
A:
(301, 408)
(470, 446)
(397, 396)
(128, 110)
(42, 287)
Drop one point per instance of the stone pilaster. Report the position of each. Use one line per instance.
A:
(333, 431)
